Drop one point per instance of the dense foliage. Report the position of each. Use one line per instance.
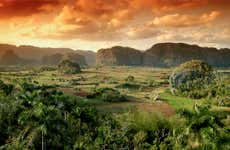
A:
(69, 67)
(5, 88)
(108, 95)
(41, 117)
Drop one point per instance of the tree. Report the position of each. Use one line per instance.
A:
(69, 67)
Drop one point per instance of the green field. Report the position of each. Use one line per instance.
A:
(140, 91)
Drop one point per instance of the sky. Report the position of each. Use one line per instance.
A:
(95, 24)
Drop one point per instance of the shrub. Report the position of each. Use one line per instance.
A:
(108, 95)
(151, 131)
(205, 128)
(68, 67)
(47, 68)
(130, 78)
(192, 79)
(153, 83)
(222, 101)
(74, 82)
(7, 89)
(221, 92)
(128, 86)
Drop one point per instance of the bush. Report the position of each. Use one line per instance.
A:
(152, 131)
(47, 68)
(192, 79)
(205, 128)
(222, 101)
(74, 82)
(68, 67)
(108, 95)
(152, 83)
(7, 89)
(221, 93)
(130, 78)
(128, 86)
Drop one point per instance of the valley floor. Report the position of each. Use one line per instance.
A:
(147, 91)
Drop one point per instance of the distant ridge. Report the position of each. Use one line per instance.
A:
(37, 54)
(159, 55)
(163, 55)
(119, 56)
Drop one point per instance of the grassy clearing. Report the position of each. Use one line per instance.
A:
(179, 102)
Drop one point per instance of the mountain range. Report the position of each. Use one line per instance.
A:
(44, 56)
(159, 55)
(163, 55)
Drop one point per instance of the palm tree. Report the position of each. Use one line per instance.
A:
(42, 118)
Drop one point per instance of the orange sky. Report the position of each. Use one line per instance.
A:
(94, 24)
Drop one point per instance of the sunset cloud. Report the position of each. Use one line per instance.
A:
(178, 20)
(111, 20)
(21, 8)
(142, 33)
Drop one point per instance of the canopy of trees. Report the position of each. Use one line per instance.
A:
(41, 117)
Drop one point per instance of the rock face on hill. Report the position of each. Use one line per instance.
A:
(52, 59)
(90, 56)
(10, 58)
(173, 54)
(119, 56)
(163, 55)
(75, 58)
(225, 56)
(31, 52)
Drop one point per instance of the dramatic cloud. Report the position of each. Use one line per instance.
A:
(178, 20)
(142, 33)
(112, 20)
(100, 20)
(20, 8)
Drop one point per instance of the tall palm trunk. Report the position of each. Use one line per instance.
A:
(43, 145)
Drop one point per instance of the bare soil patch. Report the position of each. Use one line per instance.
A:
(161, 107)
(74, 92)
